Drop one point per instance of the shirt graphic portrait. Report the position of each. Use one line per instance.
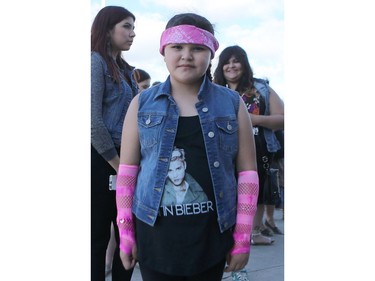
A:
(181, 188)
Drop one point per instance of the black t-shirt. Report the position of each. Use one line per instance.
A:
(186, 238)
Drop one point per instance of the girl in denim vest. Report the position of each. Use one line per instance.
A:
(199, 237)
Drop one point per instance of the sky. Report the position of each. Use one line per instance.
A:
(255, 25)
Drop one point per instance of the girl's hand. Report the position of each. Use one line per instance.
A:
(129, 261)
(236, 262)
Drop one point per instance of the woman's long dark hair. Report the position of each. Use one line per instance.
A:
(196, 20)
(105, 21)
(247, 80)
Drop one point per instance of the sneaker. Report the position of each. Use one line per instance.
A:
(240, 275)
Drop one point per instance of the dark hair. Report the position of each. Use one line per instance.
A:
(141, 75)
(247, 80)
(105, 21)
(196, 20)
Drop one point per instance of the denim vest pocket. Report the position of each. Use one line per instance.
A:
(228, 134)
(149, 129)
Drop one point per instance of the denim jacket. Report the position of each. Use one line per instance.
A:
(158, 116)
(273, 144)
(109, 102)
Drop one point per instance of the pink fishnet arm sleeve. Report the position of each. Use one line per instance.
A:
(248, 188)
(125, 185)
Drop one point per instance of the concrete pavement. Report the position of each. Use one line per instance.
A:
(266, 262)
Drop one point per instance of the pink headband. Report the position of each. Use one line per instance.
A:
(188, 34)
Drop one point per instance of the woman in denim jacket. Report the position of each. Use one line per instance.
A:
(112, 89)
(266, 110)
(187, 240)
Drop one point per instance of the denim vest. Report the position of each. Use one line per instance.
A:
(116, 100)
(273, 144)
(158, 116)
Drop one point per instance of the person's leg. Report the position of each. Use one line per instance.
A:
(270, 222)
(270, 208)
(281, 182)
(110, 251)
(258, 218)
(260, 234)
(100, 216)
(256, 236)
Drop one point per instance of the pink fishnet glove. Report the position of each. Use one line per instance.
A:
(125, 185)
(248, 188)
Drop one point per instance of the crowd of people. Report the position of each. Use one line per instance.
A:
(180, 168)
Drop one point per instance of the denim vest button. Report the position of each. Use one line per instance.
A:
(216, 164)
(221, 194)
(211, 134)
(205, 109)
(229, 127)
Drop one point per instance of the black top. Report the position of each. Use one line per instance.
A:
(185, 239)
(256, 105)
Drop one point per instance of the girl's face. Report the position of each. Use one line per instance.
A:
(232, 70)
(122, 35)
(145, 84)
(187, 63)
